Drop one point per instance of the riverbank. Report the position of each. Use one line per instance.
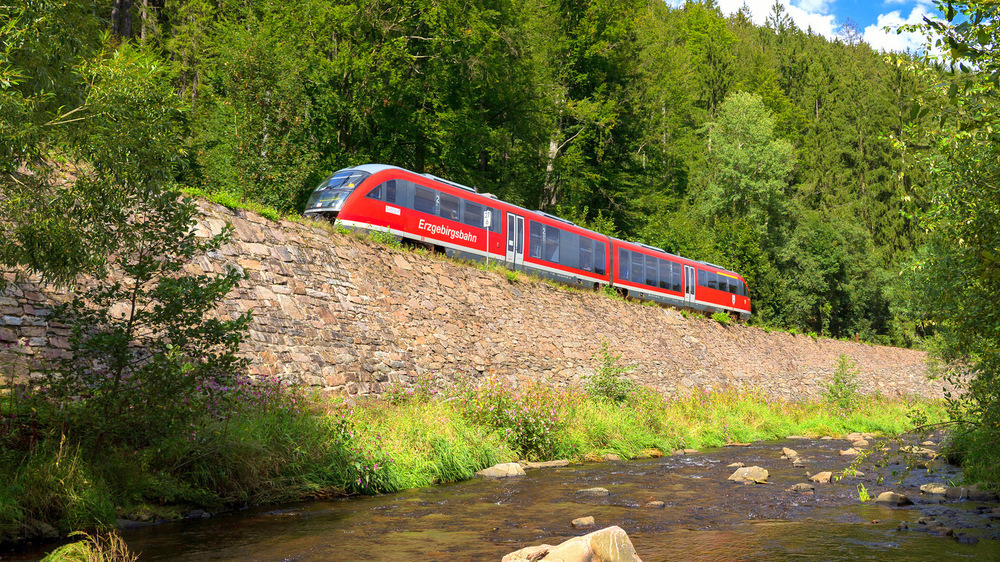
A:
(278, 444)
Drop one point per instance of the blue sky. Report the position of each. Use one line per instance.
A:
(827, 17)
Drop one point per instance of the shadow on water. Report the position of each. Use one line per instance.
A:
(705, 517)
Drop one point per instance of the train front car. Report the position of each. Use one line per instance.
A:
(332, 193)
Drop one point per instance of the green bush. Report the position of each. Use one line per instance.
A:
(609, 381)
(722, 318)
(528, 420)
(842, 390)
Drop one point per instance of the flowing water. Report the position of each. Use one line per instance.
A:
(705, 516)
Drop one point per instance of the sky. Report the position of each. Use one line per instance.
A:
(827, 17)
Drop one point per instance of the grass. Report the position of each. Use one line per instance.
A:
(292, 446)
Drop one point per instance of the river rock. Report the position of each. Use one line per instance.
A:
(749, 475)
(33, 528)
(849, 452)
(547, 464)
(928, 444)
(606, 545)
(934, 488)
(892, 498)
(655, 504)
(859, 443)
(503, 470)
(583, 522)
(611, 457)
(803, 487)
(735, 465)
(679, 452)
(594, 492)
(973, 493)
(919, 451)
(821, 477)
(789, 453)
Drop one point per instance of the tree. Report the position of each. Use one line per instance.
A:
(958, 274)
(91, 203)
(748, 166)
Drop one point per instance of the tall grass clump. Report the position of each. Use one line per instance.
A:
(107, 547)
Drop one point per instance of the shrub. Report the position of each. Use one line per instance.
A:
(528, 420)
(842, 390)
(722, 318)
(609, 381)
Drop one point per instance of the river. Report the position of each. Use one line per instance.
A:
(705, 516)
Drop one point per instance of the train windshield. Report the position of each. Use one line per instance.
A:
(333, 191)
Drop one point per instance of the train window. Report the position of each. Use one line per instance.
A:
(732, 286)
(599, 258)
(711, 280)
(537, 233)
(664, 274)
(702, 278)
(473, 214)
(384, 192)
(586, 262)
(423, 200)
(551, 236)
(676, 276)
(623, 256)
(635, 275)
(651, 271)
(448, 207)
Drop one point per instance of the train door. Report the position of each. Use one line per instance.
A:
(689, 285)
(515, 241)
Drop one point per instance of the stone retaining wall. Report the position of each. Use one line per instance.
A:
(351, 316)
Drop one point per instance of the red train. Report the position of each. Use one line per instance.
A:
(478, 226)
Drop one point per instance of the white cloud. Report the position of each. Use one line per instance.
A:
(817, 15)
(883, 40)
(805, 13)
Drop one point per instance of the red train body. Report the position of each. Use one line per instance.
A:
(472, 225)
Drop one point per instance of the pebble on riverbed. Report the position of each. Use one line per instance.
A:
(594, 492)
(583, 522)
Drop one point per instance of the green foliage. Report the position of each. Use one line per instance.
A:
(106, 547)
(528, 420)
(863, 494)
(385, 237)
(953, 283)
(842, 390)
(722, 318)
(610, 381)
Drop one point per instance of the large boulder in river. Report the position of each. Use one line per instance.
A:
(504, 470)
(749, 475)
(892, 498)
(607, 545)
